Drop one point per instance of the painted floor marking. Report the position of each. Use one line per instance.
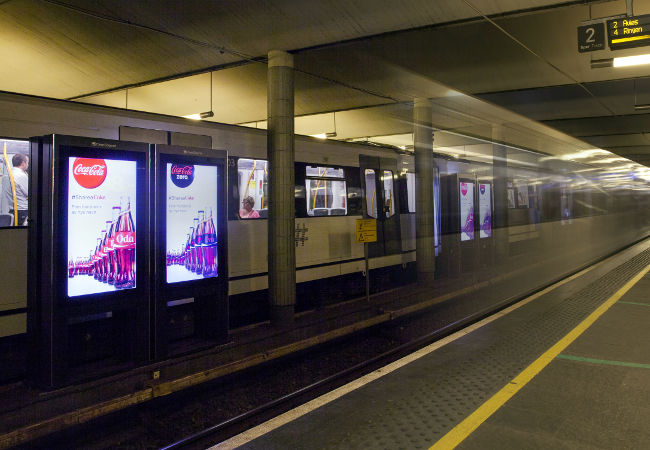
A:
(636, 303)
(282, 419)
(457, 434)
(604, 361)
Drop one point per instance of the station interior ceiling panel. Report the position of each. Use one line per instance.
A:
(359, 65)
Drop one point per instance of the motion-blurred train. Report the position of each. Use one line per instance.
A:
(532, 208)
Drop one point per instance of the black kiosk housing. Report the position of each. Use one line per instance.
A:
(190, 308)
(80, 326)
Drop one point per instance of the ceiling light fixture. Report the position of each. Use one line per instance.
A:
(324, 135)
(329, 134)
(635, 60)
(200, 116)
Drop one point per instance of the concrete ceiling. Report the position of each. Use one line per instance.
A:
(365, 60)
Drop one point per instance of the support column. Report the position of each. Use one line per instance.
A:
(425, 252)
(281, 221)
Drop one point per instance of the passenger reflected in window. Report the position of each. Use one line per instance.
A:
(247, 211)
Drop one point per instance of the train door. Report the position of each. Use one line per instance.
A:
(379, 183)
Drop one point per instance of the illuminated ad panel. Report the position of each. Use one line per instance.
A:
(485, 210)
(191, 206)
(466, 211)
(101, 221)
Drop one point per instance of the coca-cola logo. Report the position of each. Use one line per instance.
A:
(482, 188)
(463, 188)
(89, 172)
(182, 175)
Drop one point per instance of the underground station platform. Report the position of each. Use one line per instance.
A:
(568, 367)
(565, 367)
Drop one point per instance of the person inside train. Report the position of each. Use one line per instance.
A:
(19, 171)
(247, 211)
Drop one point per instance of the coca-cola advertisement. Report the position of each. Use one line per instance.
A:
(191, 205)
(485, 210)
(101, 225)
(466, 211)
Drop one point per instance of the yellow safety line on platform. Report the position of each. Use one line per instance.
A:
(457, 434)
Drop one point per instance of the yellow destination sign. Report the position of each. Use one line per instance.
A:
(366, 230)
(629, 32)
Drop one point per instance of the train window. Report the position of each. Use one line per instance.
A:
(326, 191)
(389, 193)
(324, 172)
(410, 190)
(253, 179)
(14, 186)
(371, 193)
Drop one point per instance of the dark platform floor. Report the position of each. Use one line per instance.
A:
(594, 394)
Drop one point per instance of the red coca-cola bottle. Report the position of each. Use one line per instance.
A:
(96, 258)
(124, 248)
(110, 247)
(90, 264)
(210, 248)
(102, 256)
(105, 249)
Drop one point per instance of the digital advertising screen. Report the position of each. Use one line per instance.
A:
(191, 208)
(101, 220)
(466, 211)
(485, 210)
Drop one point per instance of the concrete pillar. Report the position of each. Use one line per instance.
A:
(424, 223)
(500, 174)
(281, 220)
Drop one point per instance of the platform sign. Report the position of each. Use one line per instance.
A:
(366, 230)
(591, 37)
(629, 32)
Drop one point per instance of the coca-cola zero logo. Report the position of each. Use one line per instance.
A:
(182, 175)
(89, 172)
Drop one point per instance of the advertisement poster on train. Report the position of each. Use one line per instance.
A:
(522, 195)
(101, 220)
(485, 210)
(191, 206)
(466, 211)
(566, 206)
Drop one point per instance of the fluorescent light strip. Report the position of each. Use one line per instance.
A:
(636, 60)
